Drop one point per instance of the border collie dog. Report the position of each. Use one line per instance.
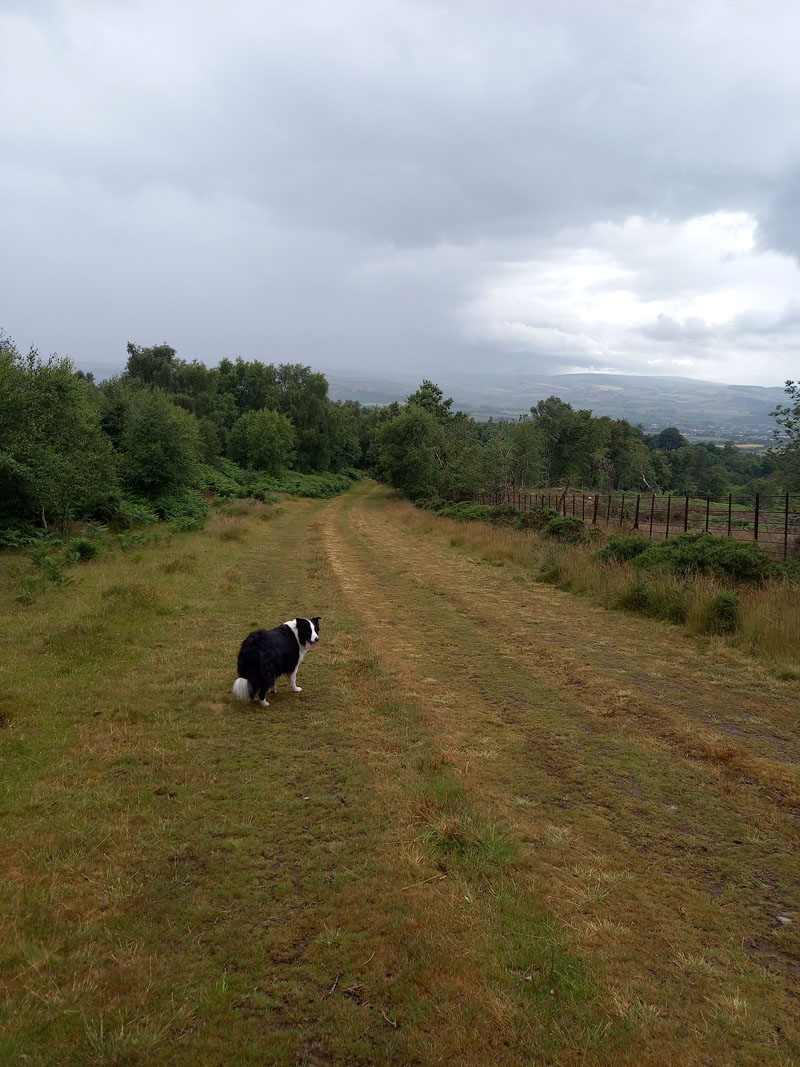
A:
(266, 654)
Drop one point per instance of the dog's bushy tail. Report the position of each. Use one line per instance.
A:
(242, 690)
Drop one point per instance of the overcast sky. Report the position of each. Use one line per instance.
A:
(396, 185)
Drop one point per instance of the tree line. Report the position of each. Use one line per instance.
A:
(158, 434)
(426, 449)
(166, 429)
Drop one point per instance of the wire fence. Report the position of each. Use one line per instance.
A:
(774, 522)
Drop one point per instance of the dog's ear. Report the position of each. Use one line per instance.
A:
(315, 620)
(303, 631)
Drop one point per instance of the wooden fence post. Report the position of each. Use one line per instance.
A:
(608, 510)
(622, 510)
(708, 509)
(755, 521)
(636, 514)
(730, 509)
(594, 514)
(786, 528)
(669, 505)
(652, 509)
(686, 514)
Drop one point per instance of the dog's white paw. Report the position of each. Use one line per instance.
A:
(264, 703)
(297, 689)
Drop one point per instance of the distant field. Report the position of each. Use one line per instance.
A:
(498, 826)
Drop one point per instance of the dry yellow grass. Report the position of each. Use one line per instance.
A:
(769, 620)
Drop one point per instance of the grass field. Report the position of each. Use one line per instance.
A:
(498, 826)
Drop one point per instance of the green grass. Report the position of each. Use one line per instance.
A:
(191, 880)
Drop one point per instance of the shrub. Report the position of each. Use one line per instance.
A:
(565, 528)
(505, 515)
(721, 614)
(81, 549)
(623, 549)
(18, 536)
(127, 512)
(222, 482)
(128, 541)
(180, 506)
(702, 553)
(467, 511)
(317, 486)
(186, 523)
(537, 518)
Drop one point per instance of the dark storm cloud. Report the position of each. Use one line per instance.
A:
(349, 185)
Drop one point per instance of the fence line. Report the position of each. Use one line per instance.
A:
(775, 524)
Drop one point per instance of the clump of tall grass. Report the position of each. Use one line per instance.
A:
(769, 622)
(231, 529)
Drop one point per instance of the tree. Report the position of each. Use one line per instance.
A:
(431, 398)
(565, 436)
(152, 366)
(54, 458)
(262, 440)
(406, 452)
(787, 436)
(161, 445)
(669, 439)
(345, 441)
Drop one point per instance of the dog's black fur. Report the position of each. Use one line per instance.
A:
(267, 654)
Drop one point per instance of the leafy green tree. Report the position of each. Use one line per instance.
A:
(408, 452)
(669, 439)
(303, 398)
(431, 399)
(787, 434)
(566, 441)
(161, 445)
(345, 439)
(152, 366)
(262, 440)
(717, 482)
(54, 458)
(526, 453)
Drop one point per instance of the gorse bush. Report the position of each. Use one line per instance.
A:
(702, 553)
(623, 549)
(566, 529)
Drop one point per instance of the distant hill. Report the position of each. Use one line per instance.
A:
(699, 408)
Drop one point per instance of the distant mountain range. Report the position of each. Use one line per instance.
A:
(697, 408)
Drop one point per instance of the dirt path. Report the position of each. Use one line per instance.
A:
(606, 744)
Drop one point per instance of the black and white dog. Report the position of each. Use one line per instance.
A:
(266, 654)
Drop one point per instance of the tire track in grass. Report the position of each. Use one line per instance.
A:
(624, 668)
(671, 871)
(201, 881)
(193, 872)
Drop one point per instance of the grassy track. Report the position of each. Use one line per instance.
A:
(497, 826)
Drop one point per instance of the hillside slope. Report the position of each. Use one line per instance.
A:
(497, 826)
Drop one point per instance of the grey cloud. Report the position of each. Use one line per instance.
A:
(334, 183)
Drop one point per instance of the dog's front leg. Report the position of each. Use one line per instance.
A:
(293, 682)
